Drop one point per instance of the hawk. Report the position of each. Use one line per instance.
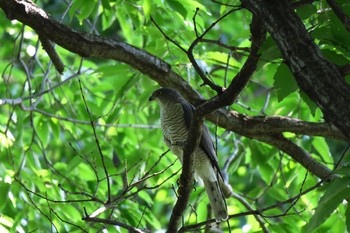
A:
(176, 116)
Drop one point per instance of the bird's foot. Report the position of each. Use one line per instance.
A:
(194, 184)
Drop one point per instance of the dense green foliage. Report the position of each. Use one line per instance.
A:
(52, 170)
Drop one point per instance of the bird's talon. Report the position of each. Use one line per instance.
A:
(194, 184)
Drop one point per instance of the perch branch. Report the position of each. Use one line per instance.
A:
(186, 177)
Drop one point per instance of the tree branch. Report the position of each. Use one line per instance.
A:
(186, 178)
(199, 38)
(115, 223)
(298, 154)
(158, 70)
(261, 211)
(50, 50)
(241, 79)
(315, 75)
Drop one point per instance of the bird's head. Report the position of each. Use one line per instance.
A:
(165, 96)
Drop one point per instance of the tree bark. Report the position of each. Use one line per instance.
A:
(316, 76)
(265, 129)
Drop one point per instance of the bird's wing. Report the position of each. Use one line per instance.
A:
(206, 144)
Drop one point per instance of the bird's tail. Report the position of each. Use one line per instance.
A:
(217, 199)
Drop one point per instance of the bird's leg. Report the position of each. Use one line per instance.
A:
(194, 184)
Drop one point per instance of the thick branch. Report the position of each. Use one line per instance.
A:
(241, 79)
(276, 140)
(272, 125)
(186, 178)
(298, 154)
(88, 45)
(158, 70)
(315, 75)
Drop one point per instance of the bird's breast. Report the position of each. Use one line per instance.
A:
(173, 123)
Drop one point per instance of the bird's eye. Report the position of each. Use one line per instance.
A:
(159, 93)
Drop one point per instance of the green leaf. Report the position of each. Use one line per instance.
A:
(86, 9)
(322, 148)
(177, 7)
(146, 197)
(86, 173)
(219, 57)
(306, 11)
(147, 8)
(269, 51)
(4, 192)
(309, 102)
(106, 4)
(347, 79)
(347, 215)
(152, 220)
(338, 190)
(333, 56)
(284, 82)
(75, 6)
(5, 221)
(339, 32)
(42, 128)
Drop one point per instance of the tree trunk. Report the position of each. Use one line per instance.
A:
(316, 76)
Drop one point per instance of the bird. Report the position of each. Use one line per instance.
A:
(176, 114)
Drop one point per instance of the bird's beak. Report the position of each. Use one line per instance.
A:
(151, 98)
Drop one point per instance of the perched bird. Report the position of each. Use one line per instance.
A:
(176, 115)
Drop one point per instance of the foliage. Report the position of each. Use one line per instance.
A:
(53, 165)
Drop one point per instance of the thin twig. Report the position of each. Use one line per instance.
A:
(166, 36)
(257, 211)
(97, 143)
(131, 229)
(249, 207)
(199, 38)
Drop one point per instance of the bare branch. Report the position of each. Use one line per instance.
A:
(315, 74)
(240, 81)
(258, 211)
(93, 199)
(50, 50)
(97, 143)
(167, 37)
(298, 154)
(115, 223)
(158, 70)
(186, 177)
(199, 39)
(250, 208)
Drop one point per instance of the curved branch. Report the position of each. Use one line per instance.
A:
(160, 71)
(259, 125)
(298, 154)
(87, 45)
(241, 79)
(315, 75)
(276, 140)
(199, 39)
